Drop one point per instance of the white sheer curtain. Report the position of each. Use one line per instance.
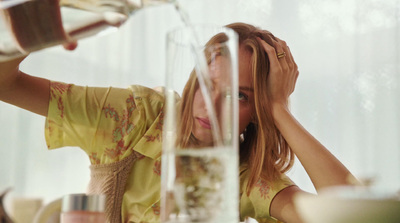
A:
(348, 52)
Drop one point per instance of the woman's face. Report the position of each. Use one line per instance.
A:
(219, 68)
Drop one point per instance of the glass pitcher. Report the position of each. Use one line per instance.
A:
(30, 25)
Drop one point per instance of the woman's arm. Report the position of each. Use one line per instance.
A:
(22, 90)
(322, 167)
(283, 206)
(16, 87)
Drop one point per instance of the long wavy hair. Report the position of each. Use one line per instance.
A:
(262, 147)
(185, 138)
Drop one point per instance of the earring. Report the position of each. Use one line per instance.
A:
(241, 137)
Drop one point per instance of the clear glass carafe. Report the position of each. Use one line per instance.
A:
(31, 25)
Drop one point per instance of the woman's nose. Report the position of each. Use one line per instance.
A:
(218, 101)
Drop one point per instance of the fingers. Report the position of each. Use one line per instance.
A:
(283, 69)
(281, 47)
(291, 63)
(278, 54)
(270, 50)
(288, 55)
(70, 45)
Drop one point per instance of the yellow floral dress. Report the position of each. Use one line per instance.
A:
(110, 124)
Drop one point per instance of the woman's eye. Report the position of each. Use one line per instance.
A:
(242, 97)
(215, 55)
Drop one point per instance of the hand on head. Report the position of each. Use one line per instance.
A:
(283, 70)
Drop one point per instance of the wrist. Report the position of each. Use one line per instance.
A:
(9, 72)
(278, 109)
(10, 67)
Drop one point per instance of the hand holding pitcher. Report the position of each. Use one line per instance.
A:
(31, 25)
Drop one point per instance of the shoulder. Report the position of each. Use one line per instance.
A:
(283, 205)
(148, 93)
(257, 203)
(271, 185)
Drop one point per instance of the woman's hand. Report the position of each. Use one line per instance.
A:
(70, 45)
(283, 71)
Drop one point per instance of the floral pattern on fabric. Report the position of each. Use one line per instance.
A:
(257, 203)
(156, 208)
(109, 111)
(124, 127)
(110, 124)
(49, 128)
(56, 89)
(157, 137)
(152, 138)
(264, 188)
(160, 122)
(157, 168)
(94, 158)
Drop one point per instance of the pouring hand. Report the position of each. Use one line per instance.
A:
(70, 45)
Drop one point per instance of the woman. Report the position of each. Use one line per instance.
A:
(120, 130)
(272, 139)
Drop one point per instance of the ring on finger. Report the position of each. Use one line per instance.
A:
(281, 55)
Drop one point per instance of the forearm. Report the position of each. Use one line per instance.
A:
(22, 90)
(323, 168)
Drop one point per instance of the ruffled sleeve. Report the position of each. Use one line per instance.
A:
(257, 203)
(107, 123)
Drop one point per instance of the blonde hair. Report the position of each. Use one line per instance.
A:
(263, 148)
(185, 137)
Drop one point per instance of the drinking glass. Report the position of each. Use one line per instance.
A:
(200, 141)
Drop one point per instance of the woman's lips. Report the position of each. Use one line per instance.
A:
(204, 122)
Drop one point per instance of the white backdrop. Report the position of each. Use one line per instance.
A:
(348, 52)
